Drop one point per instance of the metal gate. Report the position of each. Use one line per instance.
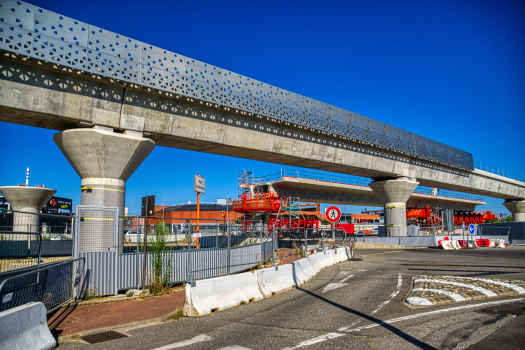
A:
(96, 240)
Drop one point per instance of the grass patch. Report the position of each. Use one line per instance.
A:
(174, 316)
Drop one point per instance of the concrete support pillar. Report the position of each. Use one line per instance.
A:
(104, 160)
(26, 202)
(517, 208)
(394, 194)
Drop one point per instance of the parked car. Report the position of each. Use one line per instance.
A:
(131, 236)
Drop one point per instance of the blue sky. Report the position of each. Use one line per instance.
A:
(452, 71)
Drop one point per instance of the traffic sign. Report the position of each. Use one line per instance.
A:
(471, 229)
(333, 214)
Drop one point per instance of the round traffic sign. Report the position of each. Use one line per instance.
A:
(471, 229)
(333, 214)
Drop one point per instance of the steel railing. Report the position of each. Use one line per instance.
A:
(490, 169)
(341, 179)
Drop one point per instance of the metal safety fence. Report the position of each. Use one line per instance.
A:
(31, 239)
(53, 285)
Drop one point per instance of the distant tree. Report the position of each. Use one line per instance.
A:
(508, 218)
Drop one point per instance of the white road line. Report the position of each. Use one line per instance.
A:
(391, 296)
(234, 347)
(453, 295)
(197, 339)
(470, 286)
(346, 278)
(316, 340)
(504, 284)
(399, 319)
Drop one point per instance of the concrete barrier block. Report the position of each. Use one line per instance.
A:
(492, 243)
(447, 245)
(25, 327)
(276, 279)
(314, 263)
(340, 254)
(326, 258)
(221, 293)
(303, 271)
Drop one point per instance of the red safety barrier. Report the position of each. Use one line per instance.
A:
(483, 242)
(445, 238)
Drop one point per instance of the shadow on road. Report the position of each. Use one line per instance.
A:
(389, 327)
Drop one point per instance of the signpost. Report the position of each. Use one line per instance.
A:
(472, 230)
(333, 214)
(200, 187)
(148, 208)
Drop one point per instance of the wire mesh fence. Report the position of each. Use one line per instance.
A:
(32, 239)
(52, 285)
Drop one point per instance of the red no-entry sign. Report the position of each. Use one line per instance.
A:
(333, 214)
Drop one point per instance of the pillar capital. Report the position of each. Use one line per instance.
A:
(517, 208)
(96, 153)
(393, 194)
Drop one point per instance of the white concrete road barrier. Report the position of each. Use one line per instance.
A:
(447, 245)
(492, 243)
(314, 263)
(221, 293)
(472, 244)
(501, 243)
(276, 279)
(455, 245)
(25, 327)
(303, 271)
(340, 254)
(326, 258)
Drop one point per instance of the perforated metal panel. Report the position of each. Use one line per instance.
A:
(35, 32)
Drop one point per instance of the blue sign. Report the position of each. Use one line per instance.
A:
(471, 229)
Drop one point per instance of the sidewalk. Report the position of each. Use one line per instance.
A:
(79, 318)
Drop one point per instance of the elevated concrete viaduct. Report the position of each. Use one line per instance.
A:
(309, 190)
(81, 76)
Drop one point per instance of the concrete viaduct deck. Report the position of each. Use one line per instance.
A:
(318, 191)
(114, 98)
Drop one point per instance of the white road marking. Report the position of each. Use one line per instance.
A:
(453, 295)
(346, 278)
(234, 347)
(470, 286)
(391, 296)
(197, 339)
(332, 286)
(316, 340)
(507, 285)
(418, 301)
(410, 317)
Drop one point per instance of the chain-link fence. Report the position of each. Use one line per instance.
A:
(33, 239)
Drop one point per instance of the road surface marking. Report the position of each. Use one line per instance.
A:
(391, 296)
(346, 278)
(507, 285)
(234, 347)
(195, 340)
(332, 286)
(470, 286)
(454, 296)
(316, 340)
(405, 318)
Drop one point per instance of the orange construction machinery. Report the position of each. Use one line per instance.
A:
(432, 216)
(278, 211)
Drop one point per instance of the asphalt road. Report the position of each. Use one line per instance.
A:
(358, 305)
